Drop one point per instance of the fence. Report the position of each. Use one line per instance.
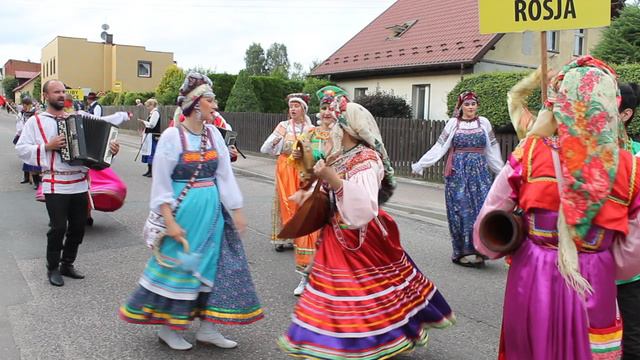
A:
(406, 139)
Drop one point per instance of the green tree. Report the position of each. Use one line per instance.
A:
(167, 90)
(243, 97)
(222, 85)
(255, 60)
(36, 94)
(9, 84)
(386, 105)
(277, 60)
(620, 42)
(297, 72)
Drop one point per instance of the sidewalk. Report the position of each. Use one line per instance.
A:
(414, 198)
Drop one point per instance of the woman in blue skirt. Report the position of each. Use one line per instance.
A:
(472, 150)
(195, 192)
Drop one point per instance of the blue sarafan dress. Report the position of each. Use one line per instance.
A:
(220, 289)
(472, 151)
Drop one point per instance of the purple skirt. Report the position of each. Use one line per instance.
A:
(546, 319)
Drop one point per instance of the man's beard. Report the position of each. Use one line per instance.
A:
(56, 105)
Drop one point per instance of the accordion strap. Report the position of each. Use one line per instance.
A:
(44, 137)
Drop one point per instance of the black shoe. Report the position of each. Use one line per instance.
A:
(55, 278)
(279, 248)
(25, 181)
(89, 221)
(147, 175)
(70, 271)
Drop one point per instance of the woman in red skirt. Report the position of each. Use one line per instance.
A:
(365, 299)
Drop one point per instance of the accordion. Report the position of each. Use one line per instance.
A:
(87, 141)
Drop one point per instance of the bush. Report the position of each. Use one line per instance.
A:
(272, 92)
(631, 73)
(130, 97)
(243, 97)
(383, 104)
(108, 99)
(167, 91)
(492, 89)
(222, 86)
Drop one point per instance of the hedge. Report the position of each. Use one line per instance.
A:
(272, 92)
(492, 89)
(222, 85)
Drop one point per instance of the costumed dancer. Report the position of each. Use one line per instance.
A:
(31, 173)
(152, 131)
(281, 143)
(578, 189)
(65, 186)
(472, 151)
(193, 173)
(365, 299)
(319, 140)
(629, 289)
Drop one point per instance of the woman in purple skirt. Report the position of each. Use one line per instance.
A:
(578, 189)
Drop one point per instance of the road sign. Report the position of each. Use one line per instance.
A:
(117, 87)
(504, 16)
(77, 94)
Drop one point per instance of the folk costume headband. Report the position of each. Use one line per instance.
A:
(300, 98)
(465, 96)
(194, 87)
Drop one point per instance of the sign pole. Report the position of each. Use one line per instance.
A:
(543, 65)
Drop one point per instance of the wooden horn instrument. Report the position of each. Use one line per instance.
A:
(501, 231)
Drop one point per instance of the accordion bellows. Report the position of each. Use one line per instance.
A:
(87, 141)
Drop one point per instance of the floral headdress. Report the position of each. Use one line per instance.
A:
(584, 98)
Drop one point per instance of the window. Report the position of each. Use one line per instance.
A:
(420, 99)
(54, 66)
(144, 69)
(398, 30)
(359, 92)
(553, 41)
(578, 45)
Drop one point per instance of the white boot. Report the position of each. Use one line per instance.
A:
(300, 289)
(210, 335)
(173, 339)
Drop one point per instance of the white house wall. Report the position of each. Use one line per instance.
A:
(402, 86)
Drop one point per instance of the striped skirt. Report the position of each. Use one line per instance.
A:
(369, 303)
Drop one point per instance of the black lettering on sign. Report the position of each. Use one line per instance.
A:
(534, 10)
(521, 7)
(548, 9)
(570, 10)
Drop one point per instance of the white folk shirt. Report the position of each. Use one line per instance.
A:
(58, 177)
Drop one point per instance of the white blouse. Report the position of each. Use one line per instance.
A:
(357, 201)
(441, 147)
(167, 156)
(285, 132)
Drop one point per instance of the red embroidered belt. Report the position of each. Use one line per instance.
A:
(56, 181)
(448, 168)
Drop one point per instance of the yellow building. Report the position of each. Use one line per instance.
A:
(103, 66)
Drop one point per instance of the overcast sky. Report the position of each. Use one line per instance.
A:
(212, 34)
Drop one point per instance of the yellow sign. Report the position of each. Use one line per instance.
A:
(77, 94)
(504, 16)
(117, 87)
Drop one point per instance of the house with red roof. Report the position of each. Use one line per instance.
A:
(420, 49)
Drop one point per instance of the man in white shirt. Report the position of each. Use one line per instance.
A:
(94, 108)
(64, 186)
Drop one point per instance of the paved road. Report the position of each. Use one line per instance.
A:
(78, 321)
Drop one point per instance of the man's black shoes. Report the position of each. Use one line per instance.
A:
(70, 271)
(55, 278)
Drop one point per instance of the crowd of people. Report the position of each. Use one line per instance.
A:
(571, 185)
